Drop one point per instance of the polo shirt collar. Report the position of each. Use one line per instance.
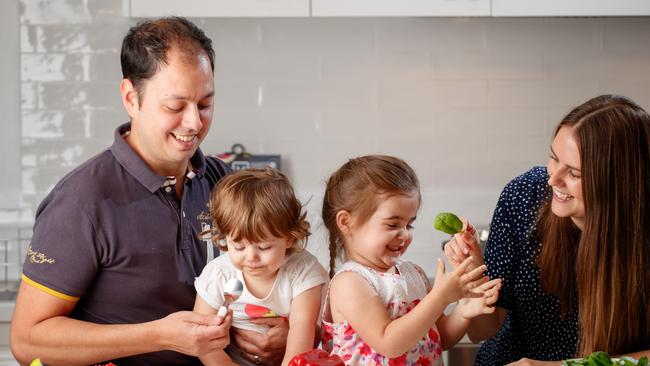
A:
(132, 162)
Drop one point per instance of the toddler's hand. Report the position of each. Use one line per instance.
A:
(475, 306)
(458, 284)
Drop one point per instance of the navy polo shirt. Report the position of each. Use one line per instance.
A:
(112, 235)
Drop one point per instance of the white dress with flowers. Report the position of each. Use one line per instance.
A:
(400, 292)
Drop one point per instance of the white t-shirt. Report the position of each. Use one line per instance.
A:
(299, 273)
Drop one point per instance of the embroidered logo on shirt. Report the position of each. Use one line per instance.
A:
(37, 257)
(204, 216)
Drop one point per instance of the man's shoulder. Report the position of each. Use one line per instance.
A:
(90, 181)
(92, 171)
(215, 169)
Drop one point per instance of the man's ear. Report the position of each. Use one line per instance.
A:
(344, 221)
(129, 97)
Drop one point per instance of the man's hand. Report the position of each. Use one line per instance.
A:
(194, 334)
(269, 348)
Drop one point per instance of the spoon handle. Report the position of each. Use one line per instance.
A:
(222, 312)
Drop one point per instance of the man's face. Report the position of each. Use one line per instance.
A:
(173, 114)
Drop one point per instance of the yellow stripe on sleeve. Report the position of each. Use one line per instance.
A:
(48, 290)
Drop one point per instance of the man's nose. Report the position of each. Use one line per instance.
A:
(192, 118)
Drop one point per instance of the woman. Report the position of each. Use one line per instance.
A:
(572, 243)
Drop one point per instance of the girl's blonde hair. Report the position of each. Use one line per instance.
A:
(358, 188)
(255, 204)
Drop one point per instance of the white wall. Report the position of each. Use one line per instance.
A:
(10, 105)
(470, 103)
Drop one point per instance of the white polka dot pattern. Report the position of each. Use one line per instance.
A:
(533, 327)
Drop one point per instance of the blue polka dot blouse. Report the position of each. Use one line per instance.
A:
(533, 327)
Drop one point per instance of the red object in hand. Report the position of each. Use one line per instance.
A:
(316, 357)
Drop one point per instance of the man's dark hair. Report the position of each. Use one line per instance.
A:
(146, 45)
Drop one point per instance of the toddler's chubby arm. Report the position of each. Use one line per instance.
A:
(352, 299)
(303, 319)
(216, 357)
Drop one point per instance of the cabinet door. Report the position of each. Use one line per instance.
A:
(372, 8)
(517, 8)
(220, 8)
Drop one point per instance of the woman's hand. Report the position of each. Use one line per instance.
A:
(529, 362)
(464, 245)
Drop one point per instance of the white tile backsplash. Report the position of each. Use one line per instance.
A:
(469, 102)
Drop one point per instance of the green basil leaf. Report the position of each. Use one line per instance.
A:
(448, 223)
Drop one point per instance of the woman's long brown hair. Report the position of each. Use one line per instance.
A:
(605, 268)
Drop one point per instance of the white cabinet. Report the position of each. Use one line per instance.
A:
(387, 8)
(380, 8)
(515, 8)
(220, 8)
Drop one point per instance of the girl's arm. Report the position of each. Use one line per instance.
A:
(303, 319)
(352, 299)
(452, 328)
(214, 358)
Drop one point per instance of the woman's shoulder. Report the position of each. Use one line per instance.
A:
(520, 201)
(527, 188)
(535, 178)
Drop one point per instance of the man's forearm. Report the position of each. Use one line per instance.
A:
(64, 341)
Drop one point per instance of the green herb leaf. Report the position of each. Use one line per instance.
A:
(603, 359)
(600, 359)
(448, 223)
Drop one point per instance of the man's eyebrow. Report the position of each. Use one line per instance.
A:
(183, 97)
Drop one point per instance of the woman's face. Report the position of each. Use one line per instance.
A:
(565, 177)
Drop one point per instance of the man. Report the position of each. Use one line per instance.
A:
(110, 270)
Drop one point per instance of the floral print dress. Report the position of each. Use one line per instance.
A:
(400, 292)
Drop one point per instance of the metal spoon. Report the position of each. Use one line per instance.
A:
(231, 292)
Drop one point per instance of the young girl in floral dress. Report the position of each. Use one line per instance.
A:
(380, 309)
